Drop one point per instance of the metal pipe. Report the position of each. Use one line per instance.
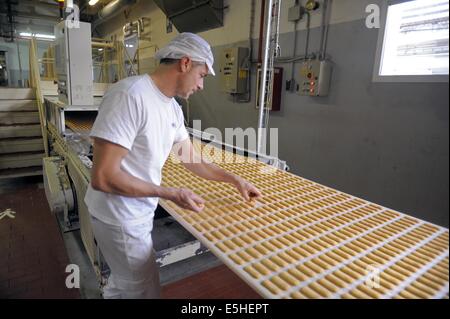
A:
(250, 55)
(10, 20)
(293, 54)
(102, 45)
(261, 30)
(323, 29)
(20, 65)
(277, 28)
(308, 31)
(325, 40)
(262, 96)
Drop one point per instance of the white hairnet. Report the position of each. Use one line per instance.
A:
(189, 45)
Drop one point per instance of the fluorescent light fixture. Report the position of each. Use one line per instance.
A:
(44, 36)
(37, 35)
(100, 49)
(93, 2)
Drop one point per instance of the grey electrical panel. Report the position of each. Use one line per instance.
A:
(315, 77)
(295, 13)
(73, 57)
(233, 70)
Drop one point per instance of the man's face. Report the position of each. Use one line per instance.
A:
(191, 79)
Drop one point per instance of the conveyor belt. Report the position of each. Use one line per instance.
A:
(305, 240)
(80, 122)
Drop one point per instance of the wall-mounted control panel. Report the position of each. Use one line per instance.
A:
(315, 77)
(233, 70)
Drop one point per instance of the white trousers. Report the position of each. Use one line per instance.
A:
(128, 250)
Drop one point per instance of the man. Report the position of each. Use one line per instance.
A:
(137, 125)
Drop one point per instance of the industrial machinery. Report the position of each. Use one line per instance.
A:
(69, 119)
(300, 240)
(306, 240)
(74, 62)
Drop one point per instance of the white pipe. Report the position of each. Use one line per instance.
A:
(262, 91)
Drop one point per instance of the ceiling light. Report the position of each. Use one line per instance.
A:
(93, 2)
(37, 35)
(44, 36)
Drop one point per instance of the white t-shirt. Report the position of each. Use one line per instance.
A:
(135, 114)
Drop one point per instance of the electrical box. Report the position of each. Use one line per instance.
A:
(274, 101)
(234, 70)
(73, 56)
(315, 77)
(295, 13)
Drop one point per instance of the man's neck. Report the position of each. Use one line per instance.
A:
(165, 82)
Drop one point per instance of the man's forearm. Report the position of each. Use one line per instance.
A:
(211, 172)
(124, 184)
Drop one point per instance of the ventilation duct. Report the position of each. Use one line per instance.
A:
(193, 15)
(111, 10)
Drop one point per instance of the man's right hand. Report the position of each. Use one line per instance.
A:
(186, 199)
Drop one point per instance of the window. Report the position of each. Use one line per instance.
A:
(413, 46)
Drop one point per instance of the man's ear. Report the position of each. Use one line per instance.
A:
(185, 64)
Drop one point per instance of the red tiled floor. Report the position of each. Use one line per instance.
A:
(32, 252)
(215, 283)
(33, 257)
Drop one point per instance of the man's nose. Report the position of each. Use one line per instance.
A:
(200, 85)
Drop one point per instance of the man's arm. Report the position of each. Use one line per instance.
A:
(193, 162)
(107, 176)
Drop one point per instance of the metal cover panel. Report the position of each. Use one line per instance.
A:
(193, 16)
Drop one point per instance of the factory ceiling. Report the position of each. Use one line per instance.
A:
(38, 15)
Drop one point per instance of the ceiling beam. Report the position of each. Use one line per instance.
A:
(31, 15)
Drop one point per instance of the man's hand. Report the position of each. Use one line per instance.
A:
(186, 199)
(247, 189)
